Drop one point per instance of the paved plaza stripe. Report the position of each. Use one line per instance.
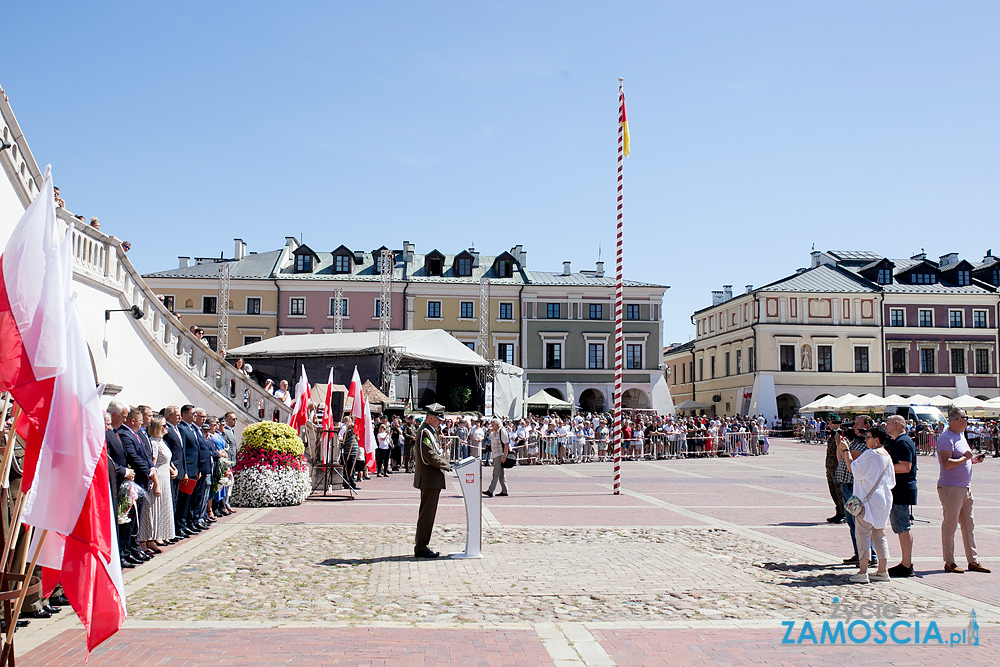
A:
(794, 494)
(674, 470)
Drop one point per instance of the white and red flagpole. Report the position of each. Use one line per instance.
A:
(616, 433)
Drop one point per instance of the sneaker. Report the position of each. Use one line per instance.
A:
(879, 576)
(976, 567)
(900, 571)
(951, 567)
(860, 578)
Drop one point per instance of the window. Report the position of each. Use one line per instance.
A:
(786, 355)
(168, 303)
(979, 319)
(982, 362)
(595, 355)
(896, 317)
(751, 360)
(552, 311)
(303, 263)
(253, 305)
(955, 319)
(925, 317)
(433, 309)
(824, 358)
(884, 276)
(898, 360)
(251, 339)
(596, 311)
(964, 277)
(958, 361)
(861, 360)
(701, 369)
(378, 308)
(633, 356)
(343, 307)
(711, 366)
(995, 277)
(212, 342)
(471, 344)
(553, 355)
(923, 278)
(684, 369)
(727, 364)
(505, 352)
(297, 306)
(466, 309)
(209, 304)
(739, 362)
(341, 263)
(632, 311)
(434, 265)
(927, 360)
(504, 268)
(506, 311)
(464, 266)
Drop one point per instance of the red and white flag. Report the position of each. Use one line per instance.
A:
(361, 412)
(300, 409)
(46, 366)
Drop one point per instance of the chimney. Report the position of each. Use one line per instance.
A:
(920, 256)
(600, 270)
(815, 258)
(988, 256)
(727, 292)
(291, 242)
(241, 250)
(717, 297)
(950, 258)
(408, 249)
(749, 289)
(566, 269)
(183, 262)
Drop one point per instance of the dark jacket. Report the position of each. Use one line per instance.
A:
(175, 442)
(192, 446)
(117, 453)
(134, 455)
(206, 451)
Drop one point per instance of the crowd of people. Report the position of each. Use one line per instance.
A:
(170, 473)
(872, 476)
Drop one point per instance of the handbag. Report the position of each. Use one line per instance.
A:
(855, 505)
(510, 461)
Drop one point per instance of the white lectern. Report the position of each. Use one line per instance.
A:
(469, 471)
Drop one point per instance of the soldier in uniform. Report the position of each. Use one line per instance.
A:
(431, 465)
(409, 442)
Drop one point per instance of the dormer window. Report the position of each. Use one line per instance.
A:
(434, 263)
(964, 277)
(303, 264)
(885, 276)
(995, 277)
(504, 268)
(341, 263)
(464, 266)
(923, 278)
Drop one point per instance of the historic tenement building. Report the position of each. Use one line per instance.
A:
(853, 321)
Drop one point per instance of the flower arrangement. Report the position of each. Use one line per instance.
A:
(128, 494)
(270, 468)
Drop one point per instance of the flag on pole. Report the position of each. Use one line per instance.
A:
(46, 367)
(328, 417)
(361, 413)
(623, 120)
(300, 409)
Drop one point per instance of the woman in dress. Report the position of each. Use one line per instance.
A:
(157, 525)
(874, 478)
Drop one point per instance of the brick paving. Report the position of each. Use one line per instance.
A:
(697, 562)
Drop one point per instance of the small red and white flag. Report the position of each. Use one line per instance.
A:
(300, 409)
(46, 367)
(361, 412)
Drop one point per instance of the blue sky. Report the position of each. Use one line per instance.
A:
(758, 129)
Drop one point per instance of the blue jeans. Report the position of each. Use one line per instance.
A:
(846, 491)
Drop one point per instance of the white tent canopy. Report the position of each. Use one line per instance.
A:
(866, 402)
(544, 399)
(416, 347)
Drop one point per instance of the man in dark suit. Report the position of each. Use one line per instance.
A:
(189, 435)
(431, 465)
(119, 461)
(138, 459)
(198, 514)
(172, 436)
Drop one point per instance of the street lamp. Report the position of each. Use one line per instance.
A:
(134, 310)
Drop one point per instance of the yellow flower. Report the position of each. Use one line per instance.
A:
(272, 436)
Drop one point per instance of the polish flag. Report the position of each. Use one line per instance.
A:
(46, 367)
(361, 412)
(328, 420)
(300, 409)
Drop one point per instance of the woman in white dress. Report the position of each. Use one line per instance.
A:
(157, 524)
(874, 478)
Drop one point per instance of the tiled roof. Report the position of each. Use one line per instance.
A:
(822, 278)
(251, 267)
(582, 279)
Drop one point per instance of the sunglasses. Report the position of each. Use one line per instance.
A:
(861, 431)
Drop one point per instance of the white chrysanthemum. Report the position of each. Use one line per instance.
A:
(270, 487)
